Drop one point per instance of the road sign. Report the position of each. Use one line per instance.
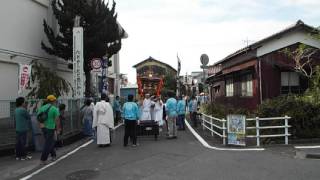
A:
(96, 63)
(204, 59)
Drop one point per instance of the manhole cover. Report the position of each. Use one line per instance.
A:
(83, 175)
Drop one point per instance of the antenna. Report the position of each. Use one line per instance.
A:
(247, 41)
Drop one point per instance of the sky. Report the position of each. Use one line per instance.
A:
(164, 28)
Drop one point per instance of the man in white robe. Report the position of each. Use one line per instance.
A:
(103, 121)
(158, 111)
(146, 108)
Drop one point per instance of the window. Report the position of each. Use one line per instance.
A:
(229, 87)
(290, 82)
(246, 85)
(216, 89)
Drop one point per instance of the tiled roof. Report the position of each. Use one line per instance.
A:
(152, 59)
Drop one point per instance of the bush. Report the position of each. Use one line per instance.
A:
(305, 116)
(220, 111)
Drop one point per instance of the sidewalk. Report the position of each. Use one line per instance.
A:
(313, 153)
(11, 168)
(310, 150)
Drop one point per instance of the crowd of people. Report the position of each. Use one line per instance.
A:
(100, 118)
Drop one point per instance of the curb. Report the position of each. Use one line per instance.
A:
(205, 144)
(313, 156)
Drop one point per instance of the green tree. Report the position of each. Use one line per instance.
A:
(169, 85)
(101, 37)
(48, 82)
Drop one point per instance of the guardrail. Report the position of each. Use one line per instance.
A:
(219, 127)
(257, 120)
(214, 125)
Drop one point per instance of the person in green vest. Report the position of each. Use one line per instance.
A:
(23, 124)
(49, 128)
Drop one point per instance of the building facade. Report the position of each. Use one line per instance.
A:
(260, 71)
(21, 37)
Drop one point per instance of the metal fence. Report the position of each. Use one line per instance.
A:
(72, 124)
(218, 127)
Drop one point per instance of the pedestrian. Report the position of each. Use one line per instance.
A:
(49, 128)
(87, 117)
(146, 108)
(23, 125)
(131, 116)
(193, 107)
(60, 125)
(158, 111)
(181, 108)
(171, 111)
(103, 121)
(164, 118)
(117, 110)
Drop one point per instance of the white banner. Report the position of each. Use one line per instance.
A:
(24, 76)
(78, 75)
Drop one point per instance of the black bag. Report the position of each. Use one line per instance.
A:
(43, 116)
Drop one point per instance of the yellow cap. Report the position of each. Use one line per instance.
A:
(51, 98)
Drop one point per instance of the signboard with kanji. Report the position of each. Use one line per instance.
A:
(78, 76)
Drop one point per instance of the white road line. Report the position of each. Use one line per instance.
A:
(307, 147)
(60, 159)
(205, 144)
(55, 162)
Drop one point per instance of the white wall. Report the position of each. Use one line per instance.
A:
(21, 31)
(22, 26)
(9, 88)
(287, 40)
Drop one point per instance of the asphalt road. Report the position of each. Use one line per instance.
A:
(183, 158)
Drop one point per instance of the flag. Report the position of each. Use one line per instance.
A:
(179, 64)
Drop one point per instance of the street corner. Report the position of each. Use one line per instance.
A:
(307, 152)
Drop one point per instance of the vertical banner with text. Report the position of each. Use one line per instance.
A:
(236, 129)
(24, 77)
(78, 77)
